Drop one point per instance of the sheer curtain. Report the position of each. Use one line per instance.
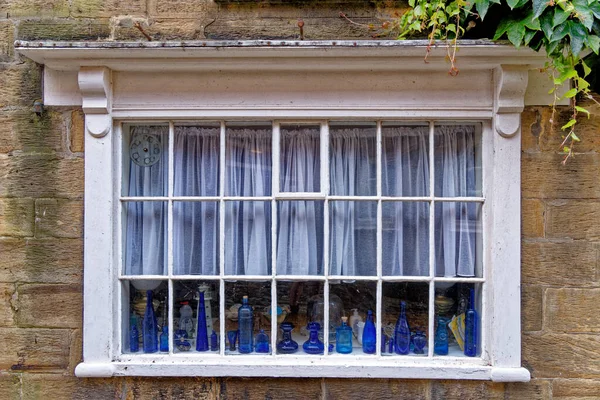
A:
(300, 223)
(353, 224)
(248, 223)
(146, 235)
(405, 172)
(196, 223)
(456, 222)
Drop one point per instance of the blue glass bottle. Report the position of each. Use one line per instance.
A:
(391, 345)
(134, 335)
(149, 326)
(164, 339)
(440, 343)
(287, 345)
(262, 342)
(343, 338)
(471, 328)
(214, 341)
(402, 332)
(369, 339)
(313, 345)
(202, 335)
(245, 325)
(419, 341)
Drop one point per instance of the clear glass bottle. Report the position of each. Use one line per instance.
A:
(343, 338)
(287, 345)
(185, 320)
(134, 334)
(262, 342)
(369, 338)
(313, 345)
(471, 321)
(246, 326)
(316, 313)
(202, 334)
(355, 318)
(440, 343)
(149, 326)
(164, 339)
(402, 332)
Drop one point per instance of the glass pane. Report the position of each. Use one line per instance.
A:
(143, 321)
(300, 237)
(248, 238)
(353, 238)
(298, 303)
(404, 160)
(405, 238)
(241, 333)
(353, 154)
(405, 334)
(196, 238)
(248, 159)
(145, 160)
(457, 161)
(196, 160)
(145, 238)
(189, 333)
(458, 241)
(300, 159)
(457, 324)
(353, 300)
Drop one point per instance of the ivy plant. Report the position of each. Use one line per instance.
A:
(566, 29)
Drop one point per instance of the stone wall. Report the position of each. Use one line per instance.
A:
(41, 192)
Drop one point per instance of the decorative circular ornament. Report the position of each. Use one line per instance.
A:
(145, 150)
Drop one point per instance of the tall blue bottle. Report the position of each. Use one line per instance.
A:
(471, 328)
(134, 335)
(245, 325)
(202, 335)
(149, 327)
(402, 332)
(369, 339)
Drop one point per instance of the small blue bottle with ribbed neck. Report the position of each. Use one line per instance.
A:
(343, 337)
(369, 338)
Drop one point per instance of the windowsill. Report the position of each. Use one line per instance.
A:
(304, 367)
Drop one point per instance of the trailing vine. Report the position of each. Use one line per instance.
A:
(566, 29)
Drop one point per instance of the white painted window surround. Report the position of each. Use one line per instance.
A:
(117, 82)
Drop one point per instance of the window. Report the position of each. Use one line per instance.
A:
(312, 186)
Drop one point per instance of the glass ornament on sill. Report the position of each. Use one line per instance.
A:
(232, 338)
(471, 321)
(369, 337)
(419, 342)
(343, 339)
(316, 313)
(149, 327)
(134, 334)
(313, 345)
(186, 321)
(246, 327)
(262, 342)
(164, 339)
(287, 345)
(214, 341)
(402, 332)
(202, 338)
(441, 337)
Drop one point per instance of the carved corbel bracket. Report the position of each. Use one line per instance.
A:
(511, 84)
(96, 91)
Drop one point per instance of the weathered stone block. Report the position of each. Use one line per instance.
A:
(466, 390)
(574, 219)
(7, 38)
(377, 388)
(58, 218)
(34, 8)
(76, 132)
(165, 29)
(41, 260)
(16, 217)
(64, 29)
(531, 308)
(20, 85)
(49, 306)
(106, 8)
(53, 386)
(537, 389)
(570, 263)
(545, 177)
(181, 8)
(575, 389)
(572, 310)
(532, 218)
(75, 350)
(10, 386)
(251, 389)
(25, 131)
(6, 310)
(41, 176)
(184, 389)
(34, 349)
(565, 355)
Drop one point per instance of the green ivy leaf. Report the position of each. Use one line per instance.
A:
(561, 31)
(531, 22)
(482, 6)
(582, 110)
(516, 33)
(560, 16)
(594, 7)
(568, 124)
(546, 23)
(577, 34)
(586, 69)
(593, 42)
(584, 14)
(575, 137)
(571, 93)
(503, 27)
(529, 34)
(512, 3)
(539, 6)
(521, 3)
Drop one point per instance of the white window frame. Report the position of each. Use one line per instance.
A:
(122, 82)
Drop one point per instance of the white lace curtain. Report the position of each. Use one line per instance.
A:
(352, 242)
